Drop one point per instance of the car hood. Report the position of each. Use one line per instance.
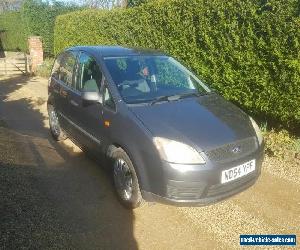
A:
(205, 122)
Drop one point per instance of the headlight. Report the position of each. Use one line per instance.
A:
(177, 152)
(257, 131)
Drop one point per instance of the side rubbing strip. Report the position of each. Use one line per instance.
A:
(80, 129)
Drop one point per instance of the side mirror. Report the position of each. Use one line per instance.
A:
(90, 97)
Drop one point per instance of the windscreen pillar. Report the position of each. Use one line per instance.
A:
(35, 46)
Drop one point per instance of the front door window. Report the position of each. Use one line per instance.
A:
(89, 75)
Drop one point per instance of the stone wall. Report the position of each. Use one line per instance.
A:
(35, 47)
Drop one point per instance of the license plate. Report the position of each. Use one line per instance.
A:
(237, 172)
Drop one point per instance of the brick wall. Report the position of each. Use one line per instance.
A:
(35, 46)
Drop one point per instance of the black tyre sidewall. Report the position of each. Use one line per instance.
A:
(136, 198)
(61, 135)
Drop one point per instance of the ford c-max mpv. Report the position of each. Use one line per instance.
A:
(169, 137)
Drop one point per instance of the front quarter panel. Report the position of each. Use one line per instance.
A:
(126, 131)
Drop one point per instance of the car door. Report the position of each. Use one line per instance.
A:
(88, 117)
(55, 86)
(62, 80)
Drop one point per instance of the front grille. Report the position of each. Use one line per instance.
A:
(183, 193)
(180, 190)
(226, 152)
(220, 189)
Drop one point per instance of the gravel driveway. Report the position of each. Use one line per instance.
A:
(53, 196)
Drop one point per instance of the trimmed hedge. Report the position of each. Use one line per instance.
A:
(133, 3)
(13, 32)
(35, 18)
(40, 18)
(248, 50)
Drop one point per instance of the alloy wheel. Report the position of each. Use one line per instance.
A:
(123, 179)
(53, 120)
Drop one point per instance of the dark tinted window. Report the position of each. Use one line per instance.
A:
(67, 67)
(89, 75)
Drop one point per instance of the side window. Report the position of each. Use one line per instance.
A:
(56, 67)
(67, 68)
(107, 99)
(89, 75)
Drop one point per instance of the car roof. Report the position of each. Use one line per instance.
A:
(115, 51)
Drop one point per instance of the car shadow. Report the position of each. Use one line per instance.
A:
(52, 195)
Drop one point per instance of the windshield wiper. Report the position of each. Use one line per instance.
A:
(189, 95)
(197, 94)
(138, 101)
(166, 98)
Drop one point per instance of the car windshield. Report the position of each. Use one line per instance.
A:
(146, 78)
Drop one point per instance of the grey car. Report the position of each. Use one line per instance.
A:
(168, 136)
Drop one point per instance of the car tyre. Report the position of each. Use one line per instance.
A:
(55, 128)
(126, 180)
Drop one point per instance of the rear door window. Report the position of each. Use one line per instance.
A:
(63, 68)
(66, 68)
(56, 67)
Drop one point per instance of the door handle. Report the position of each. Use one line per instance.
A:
(74, 103)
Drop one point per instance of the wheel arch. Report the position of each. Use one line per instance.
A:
(136, 160)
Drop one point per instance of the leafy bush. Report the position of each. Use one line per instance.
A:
(248, 50)
(281, 144)
(133, 3)
(39, 17)
(12, 32)
(45, 68)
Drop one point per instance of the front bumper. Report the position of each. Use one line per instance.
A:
(201, 185)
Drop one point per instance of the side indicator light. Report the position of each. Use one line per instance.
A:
(106, 123)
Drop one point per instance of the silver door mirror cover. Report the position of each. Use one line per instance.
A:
(91, 97)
